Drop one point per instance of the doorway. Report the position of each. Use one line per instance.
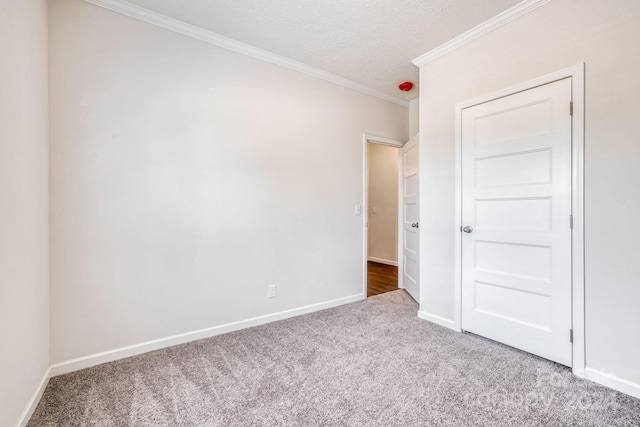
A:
(407, 200)
(381, 158)
(401, 271)
(382, 218)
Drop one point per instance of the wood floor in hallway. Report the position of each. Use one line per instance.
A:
(381, 278)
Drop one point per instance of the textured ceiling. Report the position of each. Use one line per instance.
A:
(369, 41)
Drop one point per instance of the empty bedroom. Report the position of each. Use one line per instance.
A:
(192, 232)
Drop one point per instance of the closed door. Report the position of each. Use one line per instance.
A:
(516, 214)
(410, 218)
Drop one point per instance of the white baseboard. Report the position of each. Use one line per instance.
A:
(383, 261)
(609, 380)
(578, 371)
(35, 399)
(606, 379)
(447, 323)
(612, 381)
(133, 350)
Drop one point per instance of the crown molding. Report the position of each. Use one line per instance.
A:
(163, 21)
(497, 21)
(414, 102)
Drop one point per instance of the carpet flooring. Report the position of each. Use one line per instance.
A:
(370, 363)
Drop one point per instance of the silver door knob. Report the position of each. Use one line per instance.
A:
(415, 225)
(467, 229)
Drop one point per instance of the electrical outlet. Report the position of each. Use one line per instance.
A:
(271, 293)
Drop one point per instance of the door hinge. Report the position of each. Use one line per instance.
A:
(570, 335)
(571, 222)
(571, 108)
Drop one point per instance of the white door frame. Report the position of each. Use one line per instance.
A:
(366, 139)
(576, 73)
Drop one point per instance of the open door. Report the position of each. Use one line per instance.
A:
(410, 216)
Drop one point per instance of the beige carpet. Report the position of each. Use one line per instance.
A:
(371, 363)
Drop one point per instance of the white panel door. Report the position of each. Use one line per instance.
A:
(516, 207)
(410, 218)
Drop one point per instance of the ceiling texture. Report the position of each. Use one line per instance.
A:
(371, 42)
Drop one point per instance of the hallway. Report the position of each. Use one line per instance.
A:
(381, 278)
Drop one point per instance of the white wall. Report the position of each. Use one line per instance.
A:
(383, 196)
(560, 34)
(414, 117)
(24, 205)
(187, 178)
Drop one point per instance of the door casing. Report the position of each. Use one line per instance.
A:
(576, 73)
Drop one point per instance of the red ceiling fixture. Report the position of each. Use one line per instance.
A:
(405, 86)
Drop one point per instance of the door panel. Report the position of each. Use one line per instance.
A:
(516, 197)
(410, 218)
